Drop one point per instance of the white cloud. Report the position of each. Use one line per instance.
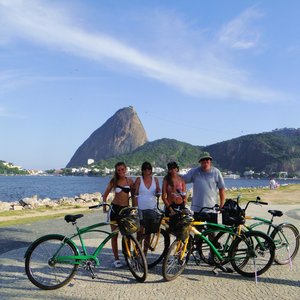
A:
(240, 33)
(45, 25)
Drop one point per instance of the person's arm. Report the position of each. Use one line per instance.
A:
(136, 188)
(222, 197)
(188, 177)
(184, 191)
(105, 195)
(165, 194)
(158, 190)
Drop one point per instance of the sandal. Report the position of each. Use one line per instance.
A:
(117, 264)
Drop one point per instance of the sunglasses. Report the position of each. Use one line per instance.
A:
(205, 159)
(147, 168)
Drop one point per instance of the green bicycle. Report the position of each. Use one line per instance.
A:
(250, 253)
(53, 260)
(284, 235)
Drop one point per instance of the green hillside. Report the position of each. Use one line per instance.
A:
(159, 153)
(276, 151)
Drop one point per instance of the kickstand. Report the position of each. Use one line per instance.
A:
(197, 260)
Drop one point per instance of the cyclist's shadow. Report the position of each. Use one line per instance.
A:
(206, 270)
(106, 272)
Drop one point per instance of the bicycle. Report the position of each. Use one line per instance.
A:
(284, 235)
(250, 253)
(155, 240)
(53, 260)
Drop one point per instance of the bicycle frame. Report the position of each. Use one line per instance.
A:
(77, 259)
(212, 228)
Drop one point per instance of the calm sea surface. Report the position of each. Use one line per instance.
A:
(13, 188)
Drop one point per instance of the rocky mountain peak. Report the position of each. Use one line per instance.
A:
(120, 134)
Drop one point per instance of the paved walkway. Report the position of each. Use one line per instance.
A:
(197, 282)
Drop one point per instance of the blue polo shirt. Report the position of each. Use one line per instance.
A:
(206, 187)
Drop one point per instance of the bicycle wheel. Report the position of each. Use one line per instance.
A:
(252, 253)
(176, 260)
(41, 266)
(286, 239)
(155, 247)
(134, 258)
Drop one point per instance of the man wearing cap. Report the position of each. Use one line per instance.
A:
(208, 186)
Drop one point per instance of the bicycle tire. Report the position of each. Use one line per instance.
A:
(174, 264)
(40, 265)
(252, 253)
(134, 257)
(286, 239)
(157, 247)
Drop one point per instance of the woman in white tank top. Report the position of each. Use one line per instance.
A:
(146, 187)
(146, 196)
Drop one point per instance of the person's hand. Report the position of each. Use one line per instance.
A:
(172, 212)
(104, 208)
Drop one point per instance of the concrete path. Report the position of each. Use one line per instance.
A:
(197, 282)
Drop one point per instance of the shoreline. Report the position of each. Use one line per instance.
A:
(284, 195)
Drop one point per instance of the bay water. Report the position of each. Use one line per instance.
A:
(14, 188)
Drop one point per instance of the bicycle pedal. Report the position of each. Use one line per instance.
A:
(229, 270)
(225, 269)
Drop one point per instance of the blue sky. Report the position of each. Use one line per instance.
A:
(197, 71)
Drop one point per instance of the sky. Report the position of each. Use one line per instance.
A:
(201, 72)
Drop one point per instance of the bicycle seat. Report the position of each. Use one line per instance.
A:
(72, 218)
(276, 213)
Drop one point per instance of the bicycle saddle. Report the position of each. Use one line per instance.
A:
(72, 218)
(276, 213)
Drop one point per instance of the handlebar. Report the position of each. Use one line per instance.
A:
(257, 202)
(99, 205)
(215, 208)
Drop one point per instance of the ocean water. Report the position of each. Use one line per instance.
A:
(14, 188)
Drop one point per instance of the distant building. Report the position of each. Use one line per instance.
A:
(90, 161)
(249, 173)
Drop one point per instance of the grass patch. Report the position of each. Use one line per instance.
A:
(285, 194)
(18, 217)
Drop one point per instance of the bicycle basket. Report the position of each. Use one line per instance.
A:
(151, 220)
(179, 224)
(129, 221)
(232, 213)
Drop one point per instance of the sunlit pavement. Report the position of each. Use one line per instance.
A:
(196, 282)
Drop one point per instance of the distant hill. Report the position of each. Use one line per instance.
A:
(120, 134)
(9, 169)
(274, 151)
(123, 138)
(159, 153)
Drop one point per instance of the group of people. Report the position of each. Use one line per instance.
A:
(208, 190)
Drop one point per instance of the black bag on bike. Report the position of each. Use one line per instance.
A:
(232, 213)
(151, 220)
(179, 224)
